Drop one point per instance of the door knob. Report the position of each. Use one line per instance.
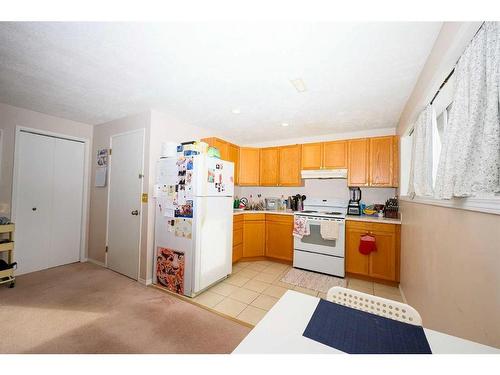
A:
(135, 212)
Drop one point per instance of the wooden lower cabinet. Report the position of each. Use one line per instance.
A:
(279, 239)
(355, 262)
(237, 237)
(382, 264)
(254, 235)
(263, 235)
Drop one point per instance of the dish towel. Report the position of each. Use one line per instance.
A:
(367, 244)
(300, 227)
(329, 230)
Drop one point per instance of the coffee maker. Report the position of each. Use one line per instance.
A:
(354, 207)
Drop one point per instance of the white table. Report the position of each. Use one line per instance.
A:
(280, 332)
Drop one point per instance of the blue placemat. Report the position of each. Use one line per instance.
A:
(358, 332)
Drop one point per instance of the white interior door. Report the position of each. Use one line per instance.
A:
(66, 220)
(124, 209)
(49, 196)
(33, 201)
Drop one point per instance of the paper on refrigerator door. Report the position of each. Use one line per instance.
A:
(167, 172)
(183, 228)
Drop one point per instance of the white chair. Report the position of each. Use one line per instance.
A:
(374, 305)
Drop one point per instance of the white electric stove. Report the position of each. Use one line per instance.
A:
(314, 253)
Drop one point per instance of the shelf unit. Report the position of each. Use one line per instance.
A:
(7, 232)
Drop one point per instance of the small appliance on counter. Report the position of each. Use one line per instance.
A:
(391, 209)
(272, 204)
(354, 206)
(296, 202)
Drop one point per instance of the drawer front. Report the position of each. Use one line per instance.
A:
(238, 225)
(279, 218)
(319, 263)
(368, 226)
(237, 218)
(359, 225)
(254, 217)
(379, 227)
(237, 236)
(237, 252)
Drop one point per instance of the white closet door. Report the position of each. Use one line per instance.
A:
(67, 195)
(33, 201)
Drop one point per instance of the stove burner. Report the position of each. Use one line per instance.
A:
(333, 213)
(309, 212)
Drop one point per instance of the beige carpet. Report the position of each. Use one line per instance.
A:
(312, 280)
(84, 308)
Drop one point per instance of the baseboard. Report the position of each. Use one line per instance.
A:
(402, 294)
(90, 260)
(145, 281)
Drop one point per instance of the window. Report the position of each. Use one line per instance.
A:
(442, 104)
(438, 130)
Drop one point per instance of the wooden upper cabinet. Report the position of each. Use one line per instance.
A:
(358, 162)
(382, 161)
(312, 156)
(335, 154)
(269, 166)
(395, 168)
(234, 156)
(289, 166)
(369, 161)
(219, 144)
(249, 166)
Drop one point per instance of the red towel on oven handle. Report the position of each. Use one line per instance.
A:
(367, 244)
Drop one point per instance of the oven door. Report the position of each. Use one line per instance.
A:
(314, 243)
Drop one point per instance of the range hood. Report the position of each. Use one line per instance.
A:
(324, 173)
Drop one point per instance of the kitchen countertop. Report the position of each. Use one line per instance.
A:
(374, 219)
(239, 212)
(365, 218)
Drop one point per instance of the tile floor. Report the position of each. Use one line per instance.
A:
(255, 286)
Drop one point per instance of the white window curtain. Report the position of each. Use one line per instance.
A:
(470, 158)
(420, 182)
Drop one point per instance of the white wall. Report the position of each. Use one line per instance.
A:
(164, 128)
(450, 43)
(450, 258)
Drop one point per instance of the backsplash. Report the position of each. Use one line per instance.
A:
(328, 188)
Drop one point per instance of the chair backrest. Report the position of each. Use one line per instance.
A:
(374, 305)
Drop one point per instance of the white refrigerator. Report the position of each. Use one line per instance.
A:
(194, 222)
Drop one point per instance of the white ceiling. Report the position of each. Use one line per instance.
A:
(358, 75)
